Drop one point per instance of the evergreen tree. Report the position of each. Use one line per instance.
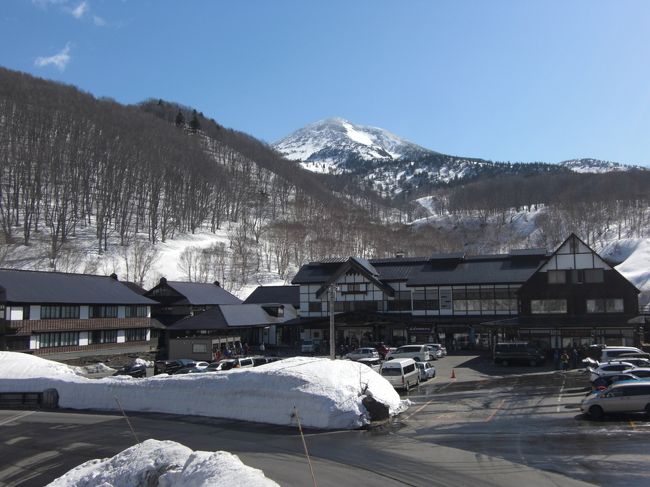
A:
(194, 123)
(180, 119)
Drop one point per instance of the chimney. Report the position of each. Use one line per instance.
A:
(217, 283)
(114, 276)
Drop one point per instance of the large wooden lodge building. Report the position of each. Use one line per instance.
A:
(559, 299)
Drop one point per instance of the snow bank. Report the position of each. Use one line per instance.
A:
(635, 267)
(323, 393)
(164, 464)
(98, 368)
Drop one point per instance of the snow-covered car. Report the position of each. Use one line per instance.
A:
(363, 352)
(427, 370)
(608, 368)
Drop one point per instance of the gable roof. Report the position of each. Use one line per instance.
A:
(36, 287)
(275, 294)
(227, 316)
(200, 293)
(363, 267)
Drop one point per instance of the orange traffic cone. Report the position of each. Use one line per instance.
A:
(453, 374)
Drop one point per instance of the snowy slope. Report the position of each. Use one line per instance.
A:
(595, 166)
(335, 141)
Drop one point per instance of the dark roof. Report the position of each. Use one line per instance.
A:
(527, 252)
(398, 269)
(315, 272)
(499, 269)
(275, 294)
(59, 288)
(135, 287)
(228, 316)
(198, 293)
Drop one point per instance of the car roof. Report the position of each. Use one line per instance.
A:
(632, 383)
(398, 361)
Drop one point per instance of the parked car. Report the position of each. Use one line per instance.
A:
(636, 361)
(518, 352)
(621, 397)
(427, 370)
(604, 382)
(607, 354)
(373, 363)
(307, 346)
(189, 370)
(402, 373)
(418, 353)
(169, 366)
(230, 363)
(363, 352)
(133, 370)
(608, 368)
(441, 351)
(641, 372)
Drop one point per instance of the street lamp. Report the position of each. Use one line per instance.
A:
(332, 298)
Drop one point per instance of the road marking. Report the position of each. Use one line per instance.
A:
(428, 402)
(489, 418)
(16, 417)
(559, 397)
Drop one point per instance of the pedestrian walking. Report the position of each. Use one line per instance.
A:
(564, 358)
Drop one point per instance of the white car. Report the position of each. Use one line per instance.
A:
(608, 368)
(641, 372)
(621, 397)
(427, 370)
(419, 353)
(363, 352)
(440, 351)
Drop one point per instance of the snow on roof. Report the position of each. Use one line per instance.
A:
(167, 463)
(326, 393)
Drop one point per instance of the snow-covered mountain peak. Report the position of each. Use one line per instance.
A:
(333, 142)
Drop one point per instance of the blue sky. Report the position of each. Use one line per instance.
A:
(503, 80)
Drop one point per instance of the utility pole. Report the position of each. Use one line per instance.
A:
(332, 298)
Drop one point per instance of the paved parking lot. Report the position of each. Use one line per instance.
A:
(528, 416)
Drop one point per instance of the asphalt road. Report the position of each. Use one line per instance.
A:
(488, 427)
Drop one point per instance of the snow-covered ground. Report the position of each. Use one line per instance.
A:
(164, 464)
(320, 392)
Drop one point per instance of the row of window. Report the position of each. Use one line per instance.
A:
(71, 338)
(559, 306)
(576, 276)
(505, 305)
(60, 312)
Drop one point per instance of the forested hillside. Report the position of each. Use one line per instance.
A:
(140, 175)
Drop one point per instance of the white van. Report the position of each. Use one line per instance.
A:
(620, 397)
(611, 353)
(402, 373)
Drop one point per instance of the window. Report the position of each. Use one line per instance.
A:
(315, 306)
(136, 335)
(594, 275)
(557, 277)
(102, 336)
(198, 347)
(426, 300)
(577, 276)
(355, 288)
(59, 312)
(548, 306)
(58, 339)
(459, 297)
(136, 311)
(103, 311)
(612, 305)
(402, 301)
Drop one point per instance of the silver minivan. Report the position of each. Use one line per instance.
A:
(402, 373)
(620, 397)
